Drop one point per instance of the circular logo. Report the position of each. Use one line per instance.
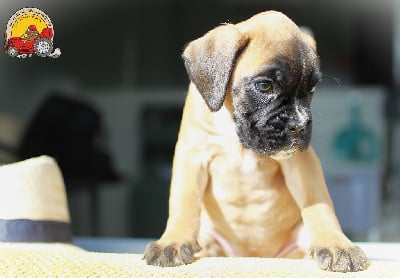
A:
(30, 31)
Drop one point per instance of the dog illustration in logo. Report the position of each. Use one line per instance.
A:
(30, 34)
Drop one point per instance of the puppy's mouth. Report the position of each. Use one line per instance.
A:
(277, 152)
(282, 155)
(279, 146)
(287, 152)
(273, 137)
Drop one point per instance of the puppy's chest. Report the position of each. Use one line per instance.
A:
(243, 177)
(239, 177)
(249, 163)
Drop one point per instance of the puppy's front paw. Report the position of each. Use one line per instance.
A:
(172, 254)
(340, 259)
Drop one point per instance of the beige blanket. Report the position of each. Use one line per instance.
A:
(63, 260)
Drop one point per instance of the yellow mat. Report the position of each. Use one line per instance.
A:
(64, 260)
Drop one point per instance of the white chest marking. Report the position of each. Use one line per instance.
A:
(249, 162)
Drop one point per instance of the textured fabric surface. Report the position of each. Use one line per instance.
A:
(63, 260)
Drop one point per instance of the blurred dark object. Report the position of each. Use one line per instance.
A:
(70, 131)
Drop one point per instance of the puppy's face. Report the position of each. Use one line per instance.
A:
(264, 70)
(271, 96)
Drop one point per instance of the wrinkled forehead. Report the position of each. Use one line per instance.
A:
(274, 49)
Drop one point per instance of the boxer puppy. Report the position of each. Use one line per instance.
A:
(244, 178)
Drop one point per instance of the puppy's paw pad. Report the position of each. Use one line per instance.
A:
(171, 254)
(340, 259)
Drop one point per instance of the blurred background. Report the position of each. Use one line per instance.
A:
(108, 109)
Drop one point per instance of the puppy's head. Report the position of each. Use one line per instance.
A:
(264, 70)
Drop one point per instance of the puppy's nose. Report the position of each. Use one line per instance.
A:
(297, 128)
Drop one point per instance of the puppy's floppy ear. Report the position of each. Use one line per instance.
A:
(210, 59)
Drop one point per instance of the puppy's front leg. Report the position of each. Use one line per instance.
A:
(329, 246)
(178, 243)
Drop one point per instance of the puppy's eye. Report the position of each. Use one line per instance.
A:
(264, 86)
